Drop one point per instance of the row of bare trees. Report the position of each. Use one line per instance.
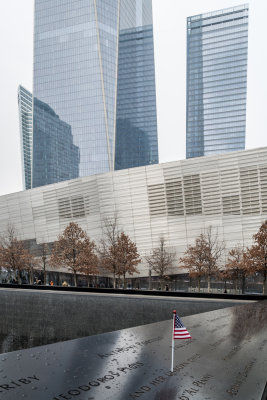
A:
(75, 251)
(204, 259)
(117, 254)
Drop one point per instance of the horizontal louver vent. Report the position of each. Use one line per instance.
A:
(210, 191)
(72, 207)
(157, 201)
(232, 191)
(249, 190)
(174, 195)
(231, 205)
(192, 195)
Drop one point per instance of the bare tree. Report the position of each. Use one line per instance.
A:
(256, 255)
(13, 254)
(194, 259)
(31, 263)
(160, 261)
(125, 252)
(45, 252)
(213, 252)
(107, 257)
(89, 261)
(202, 259)
(235, 267)
(73, 250)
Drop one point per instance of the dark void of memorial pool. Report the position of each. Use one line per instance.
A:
(225, 359)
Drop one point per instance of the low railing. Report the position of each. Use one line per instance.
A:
(203, 294)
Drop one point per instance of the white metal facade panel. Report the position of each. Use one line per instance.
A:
(177, 200)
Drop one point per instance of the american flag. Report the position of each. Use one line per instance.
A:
(179, 330)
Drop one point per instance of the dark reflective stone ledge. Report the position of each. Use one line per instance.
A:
(140, 292)
(225, 359)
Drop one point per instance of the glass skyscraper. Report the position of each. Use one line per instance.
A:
(25, 122)
(94, 67)
(217, 49)
(136, 127)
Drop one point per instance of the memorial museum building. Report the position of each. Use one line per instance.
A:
(175, 200)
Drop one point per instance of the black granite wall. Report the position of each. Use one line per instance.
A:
(33, 318)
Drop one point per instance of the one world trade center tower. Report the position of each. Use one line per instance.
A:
(94, 81)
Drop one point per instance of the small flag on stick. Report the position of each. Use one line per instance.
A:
(179, 331)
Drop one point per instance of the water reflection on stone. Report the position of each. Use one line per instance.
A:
(164, 394)
(249, 320)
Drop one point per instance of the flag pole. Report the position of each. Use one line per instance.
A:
(173, 319)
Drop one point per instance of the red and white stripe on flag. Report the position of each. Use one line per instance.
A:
(181, 333)
(179, 330)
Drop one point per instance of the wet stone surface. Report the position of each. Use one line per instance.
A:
(226, 359)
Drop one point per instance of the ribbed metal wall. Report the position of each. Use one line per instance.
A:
(177, 200)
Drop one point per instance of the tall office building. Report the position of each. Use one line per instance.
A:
(94, 67)
(25, 123)
(217, 49)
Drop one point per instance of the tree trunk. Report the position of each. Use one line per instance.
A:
(31, 276)
(225, 286)
(19, 277)
(75, 278)
(149, 280)
(114, 280)
(236, 285)
(124, 281)
(44, 269)
(198, 283)
(208, 283)
(243, 284)
(264, 283)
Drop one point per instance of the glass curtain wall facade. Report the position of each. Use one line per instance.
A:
(25, 122)
(76, 57)
(217, 49)
(136, 125)
(56, 157)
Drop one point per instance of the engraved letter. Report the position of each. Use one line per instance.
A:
(74, 392)
(108, 377)
(146, 388)
(14, 383)
(7, 387)
(94, 383)
(25, 381)
(34, 377)
(85, 388)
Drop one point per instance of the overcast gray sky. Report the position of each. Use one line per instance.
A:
(16, 44)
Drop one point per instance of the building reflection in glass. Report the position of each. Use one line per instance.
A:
(136, 98)
(25, 120)
(55, 157)
(132, 146)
